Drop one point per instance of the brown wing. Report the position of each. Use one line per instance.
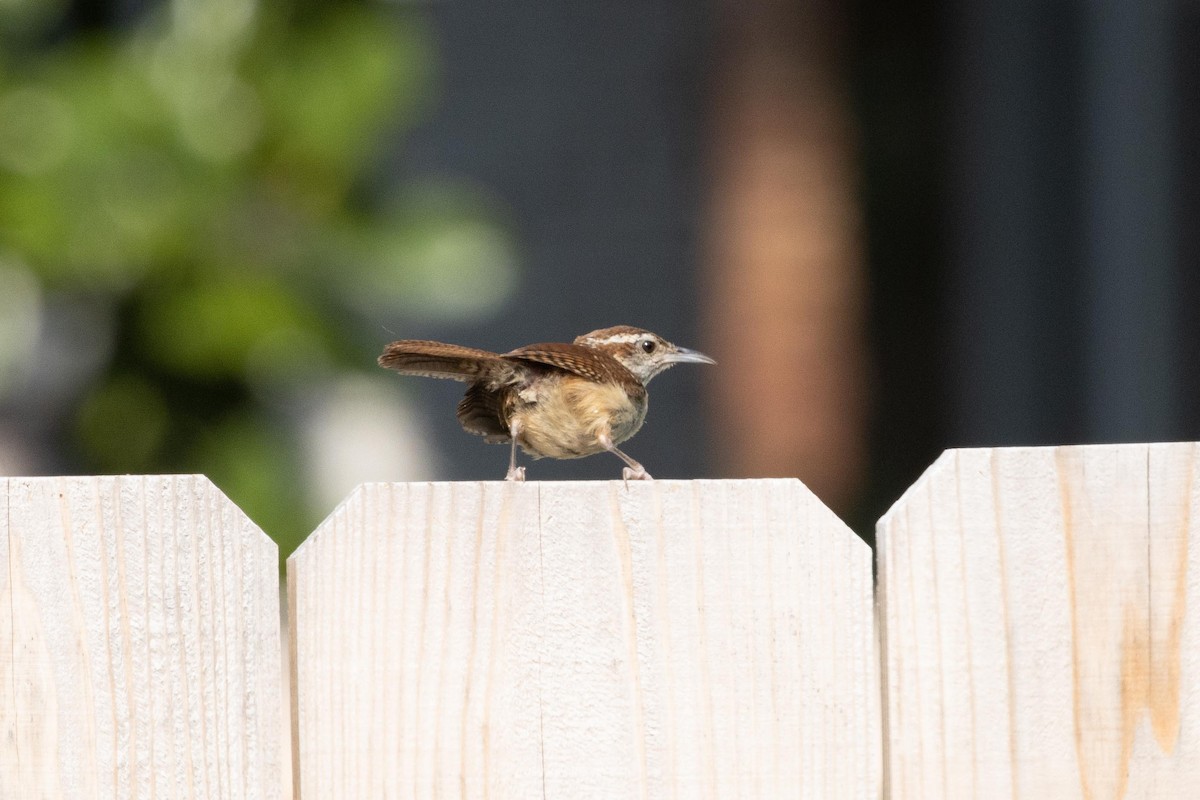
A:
(583, 361)
(481, 411)
(439, 360)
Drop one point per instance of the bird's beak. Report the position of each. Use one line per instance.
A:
(684, 356)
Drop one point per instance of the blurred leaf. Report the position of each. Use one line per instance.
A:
(331, 90)
(20, 320)
(122, 424)
(20, 18)
(443, 254)
(36, 127)
(211, 329)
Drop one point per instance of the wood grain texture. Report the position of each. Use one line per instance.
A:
(139, 642)
(1034, 617)
(579, 640)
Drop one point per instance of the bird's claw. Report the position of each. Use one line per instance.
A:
(516, 474)
(639, 474)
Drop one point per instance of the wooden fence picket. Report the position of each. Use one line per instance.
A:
(574, 640)
(139, 618)
(1036, 636)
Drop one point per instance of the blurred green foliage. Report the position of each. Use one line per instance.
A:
(206, 174)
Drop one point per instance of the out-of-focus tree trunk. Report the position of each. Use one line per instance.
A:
(786, 289)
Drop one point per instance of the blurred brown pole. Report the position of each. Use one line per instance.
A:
(785, 285)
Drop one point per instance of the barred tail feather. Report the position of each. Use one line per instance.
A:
(438, 360)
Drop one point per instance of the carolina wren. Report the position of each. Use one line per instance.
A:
(555, 400)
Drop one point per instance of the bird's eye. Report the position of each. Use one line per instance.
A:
(649, 345)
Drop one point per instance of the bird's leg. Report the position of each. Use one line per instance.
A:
(635, 471)
(515, 473)
(635, 474)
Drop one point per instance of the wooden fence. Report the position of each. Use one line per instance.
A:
(1027, 636)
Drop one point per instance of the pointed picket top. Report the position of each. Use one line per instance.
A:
(143, 615)
(540, 639)
(1032, 607)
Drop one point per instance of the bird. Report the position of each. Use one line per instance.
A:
(554, 400)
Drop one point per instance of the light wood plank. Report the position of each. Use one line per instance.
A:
(576, 640)
(145, 651)
(1033, 610)
(414, 611)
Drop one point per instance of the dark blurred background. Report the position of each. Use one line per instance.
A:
(898, 227)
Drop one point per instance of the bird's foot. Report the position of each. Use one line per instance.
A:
(639, 474)
(515, 474)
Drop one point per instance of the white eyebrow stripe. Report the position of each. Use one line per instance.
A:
(620, 338)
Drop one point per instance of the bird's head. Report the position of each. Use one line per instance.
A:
(643, 353)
